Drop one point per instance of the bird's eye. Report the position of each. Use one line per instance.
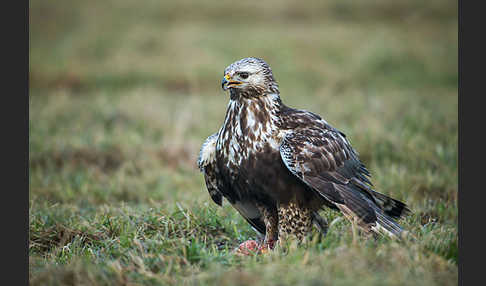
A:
(244, 75)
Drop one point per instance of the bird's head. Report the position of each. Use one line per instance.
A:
(249, 77)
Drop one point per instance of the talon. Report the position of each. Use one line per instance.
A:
(263, 250)
(266, 247)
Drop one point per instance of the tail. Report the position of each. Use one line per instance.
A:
(391, 207)
(386, 225)
(376, 214)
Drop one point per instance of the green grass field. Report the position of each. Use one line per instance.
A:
(123, 93)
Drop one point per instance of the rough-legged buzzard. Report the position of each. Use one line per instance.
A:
(279, 166)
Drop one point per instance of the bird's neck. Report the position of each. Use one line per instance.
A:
(256, 117)
(261, 109)
(249, 127)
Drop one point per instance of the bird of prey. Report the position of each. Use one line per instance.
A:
(278, 166)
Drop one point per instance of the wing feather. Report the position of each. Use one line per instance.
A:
(207, 165)
(324, 160)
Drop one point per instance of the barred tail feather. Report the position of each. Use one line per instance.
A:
(370, 216)
(386, 225)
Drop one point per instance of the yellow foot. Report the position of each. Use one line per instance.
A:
(266, 246)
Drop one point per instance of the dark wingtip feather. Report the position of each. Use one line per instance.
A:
(390, 206)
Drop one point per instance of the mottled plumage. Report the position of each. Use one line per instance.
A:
(279, 166)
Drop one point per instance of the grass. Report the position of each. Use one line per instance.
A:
(123, 94)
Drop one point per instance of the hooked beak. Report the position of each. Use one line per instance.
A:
(227, 82)
(224, 83)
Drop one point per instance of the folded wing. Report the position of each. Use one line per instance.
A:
(207, 165)
(324, 160)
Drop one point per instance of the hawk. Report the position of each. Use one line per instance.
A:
(278, 166)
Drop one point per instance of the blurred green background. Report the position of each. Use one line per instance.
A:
(123, 93)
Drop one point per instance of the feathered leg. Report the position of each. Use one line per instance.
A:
(270, 218)
(294, 222)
